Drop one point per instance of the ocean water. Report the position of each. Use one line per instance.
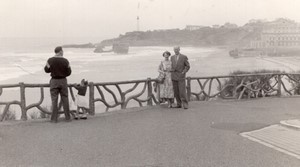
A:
(23, 60)
(140, 63)
(29, 60)
(26, 56)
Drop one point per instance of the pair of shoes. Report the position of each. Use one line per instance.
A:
(84, 116)
(172, 105)
(68, 120)
(178, 106)
(53, 121)
(185, 106)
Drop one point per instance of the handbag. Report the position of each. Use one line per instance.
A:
(161, 77)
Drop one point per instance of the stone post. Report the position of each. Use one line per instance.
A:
(92, 98)
(149, 95)
(23, 101)
(188, 88)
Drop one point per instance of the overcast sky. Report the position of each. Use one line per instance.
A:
(109, 18)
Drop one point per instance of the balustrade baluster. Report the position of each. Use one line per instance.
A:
(92, 98)
(123, 101)
(158, 92)
(23, 101)
(235, 94)
(279, 85)
(150, 94)
(188, 88)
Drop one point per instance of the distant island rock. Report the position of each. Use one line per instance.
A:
(119, 48)
(88, 45)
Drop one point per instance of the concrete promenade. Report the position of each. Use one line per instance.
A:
(205, 135)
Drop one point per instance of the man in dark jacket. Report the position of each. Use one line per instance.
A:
(180, 66)
(59, 68)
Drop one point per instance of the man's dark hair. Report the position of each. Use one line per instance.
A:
(58, 49)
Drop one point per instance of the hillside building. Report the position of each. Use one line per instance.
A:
(281, 33)
(193, 27)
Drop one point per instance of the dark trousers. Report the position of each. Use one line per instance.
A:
(180, 92)
(59, 86)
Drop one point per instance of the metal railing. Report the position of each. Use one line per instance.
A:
(198, 88)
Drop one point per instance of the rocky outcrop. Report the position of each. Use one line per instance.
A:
(99, 49)
(88, 45)
(119, 48)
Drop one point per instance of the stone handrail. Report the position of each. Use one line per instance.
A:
(198, 88)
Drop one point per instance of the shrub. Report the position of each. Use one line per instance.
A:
(33, 115)
(43, 114)
(263, 84)
(295, 83)
(10, 115)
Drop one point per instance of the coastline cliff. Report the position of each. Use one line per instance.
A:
(227, 35)
(203, 37)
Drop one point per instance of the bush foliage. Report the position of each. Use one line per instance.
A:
(263, 83)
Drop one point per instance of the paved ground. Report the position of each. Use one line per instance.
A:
(278, 137)
(206, 135)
